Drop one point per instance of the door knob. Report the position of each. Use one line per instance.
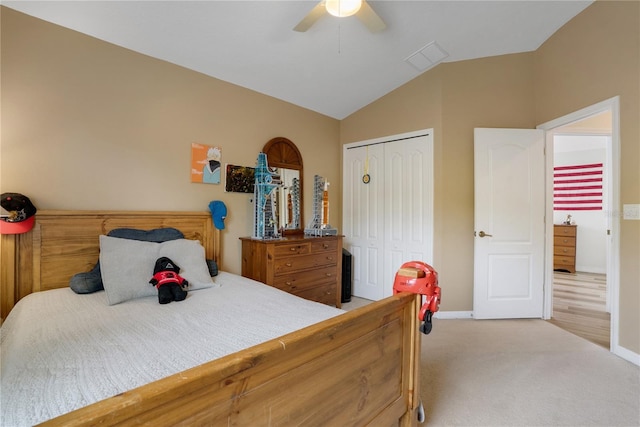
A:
(483, 234)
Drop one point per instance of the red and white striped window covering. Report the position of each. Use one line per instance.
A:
(577, 188)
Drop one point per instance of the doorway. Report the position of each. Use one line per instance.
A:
(600, 119)
(581, 165)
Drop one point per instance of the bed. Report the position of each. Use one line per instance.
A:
(320, 366)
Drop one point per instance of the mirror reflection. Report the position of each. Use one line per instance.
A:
(288, 199)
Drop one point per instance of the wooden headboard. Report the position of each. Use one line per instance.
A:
(64, 243)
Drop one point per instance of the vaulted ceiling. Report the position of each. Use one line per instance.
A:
(337, 66)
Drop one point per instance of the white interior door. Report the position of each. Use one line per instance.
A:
(509, 223)
(387, 220)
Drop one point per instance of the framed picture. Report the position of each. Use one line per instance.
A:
(239, 179)
(205, 163)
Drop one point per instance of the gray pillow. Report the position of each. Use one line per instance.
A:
(127, 266)
(89, 282)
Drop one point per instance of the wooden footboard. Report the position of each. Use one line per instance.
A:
(357, 369)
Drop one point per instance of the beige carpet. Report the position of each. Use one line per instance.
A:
(523, 373)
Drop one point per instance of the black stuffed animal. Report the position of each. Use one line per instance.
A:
(169, 283)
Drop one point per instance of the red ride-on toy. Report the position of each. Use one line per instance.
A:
(420, 278)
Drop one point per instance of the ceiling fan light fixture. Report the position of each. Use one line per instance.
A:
(343, 8)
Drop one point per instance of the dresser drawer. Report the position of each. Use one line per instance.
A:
(324, 246)
(292, 249)
(564, 230)
(296, 263)
(564, 241)
(301, 281)
(323, 294)
(564, 260)
(564, 251)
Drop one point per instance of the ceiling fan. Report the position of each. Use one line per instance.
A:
(343, 8)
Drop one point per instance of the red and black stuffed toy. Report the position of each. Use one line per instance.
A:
(171, 286)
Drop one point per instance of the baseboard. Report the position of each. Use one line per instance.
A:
(626, 354)
(453, 315)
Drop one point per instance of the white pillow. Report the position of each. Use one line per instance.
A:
(189, 255)
(127, 266)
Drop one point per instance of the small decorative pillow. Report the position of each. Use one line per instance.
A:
(127, 266)
(213, 267)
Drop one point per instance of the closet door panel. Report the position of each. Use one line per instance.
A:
(408, 210)
(416, 184)
(363, 219)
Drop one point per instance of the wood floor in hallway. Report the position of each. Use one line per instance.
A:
(579, 306)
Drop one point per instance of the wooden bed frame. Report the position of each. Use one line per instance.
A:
(359, 368)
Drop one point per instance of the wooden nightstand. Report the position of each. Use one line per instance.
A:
(309, 267)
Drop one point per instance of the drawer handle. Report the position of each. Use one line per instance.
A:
(330, 258)
(293, 249)
(288, 264)
(565, 241)
(324, 245)
(328, 274)
(564, 250)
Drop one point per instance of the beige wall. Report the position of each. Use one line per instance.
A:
(88, 125)
(592, 58)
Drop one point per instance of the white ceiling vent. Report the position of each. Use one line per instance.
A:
(427, 57)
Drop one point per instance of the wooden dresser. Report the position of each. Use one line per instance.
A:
(309, 267)
(564, 247)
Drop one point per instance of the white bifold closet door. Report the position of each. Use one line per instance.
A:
(388, 220)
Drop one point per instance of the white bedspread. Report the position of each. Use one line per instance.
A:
(61, 351)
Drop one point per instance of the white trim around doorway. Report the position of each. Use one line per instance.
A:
(613, 268)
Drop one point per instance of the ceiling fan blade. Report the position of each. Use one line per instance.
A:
(318, 11)
(370, 18)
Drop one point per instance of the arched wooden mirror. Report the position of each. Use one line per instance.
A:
(285, 159)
